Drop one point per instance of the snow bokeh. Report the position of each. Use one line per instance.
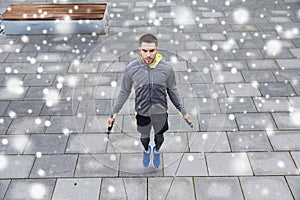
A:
(51, 96)
(241, 16)
(183, 16)
(37, 191)
(14, 86)
(273, 47)
(3, 162)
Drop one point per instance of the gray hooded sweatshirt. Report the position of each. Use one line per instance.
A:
(151, 85)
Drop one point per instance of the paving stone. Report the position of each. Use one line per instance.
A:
(228, 164)
(60, 68)
(272, 104)
(61, 108)
(8, 94)
(212, 36)
(226, 77)
(176, 124)
(25, 108)
(265, 187)
(295, 101)
(18, 57)
(54, 166)
(216, 122)
(251, 44)
(124, 188)
(3, 57)
(272, 163)
(103, 79)
(49, 57)
(13, 144)
(284, 140)
(26, 125)
(232, 105)
(242, 90)
(218, 188)
(3, 187)
(39, 80)
(34, 93)
(237, 27)
(296, 87)
(287, 75)
(208, 142)
(66, 124)
(81, 188)
(93, 107)
(294, 184)
(284, 53)
(262, 64)
(4, 124)
(258, 76)
(220, 55)
(195, 106)
(34, 48)
(205, 90)
(287, 121)
(103, 165)
(171, 188)
(30, 189)
(255, 121)
(15, 166)
(296, 157)
(249, 141)
(25, 68)
(248, 54)
(131, 165)
(40, 143)
(187, 164)
(288, 63)
(276, 89)
(3, 106)
(86, 143)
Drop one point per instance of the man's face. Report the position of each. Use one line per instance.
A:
(148, 52)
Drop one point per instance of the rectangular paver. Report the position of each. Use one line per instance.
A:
(13, 166)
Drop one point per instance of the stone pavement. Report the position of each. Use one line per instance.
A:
(237, 68)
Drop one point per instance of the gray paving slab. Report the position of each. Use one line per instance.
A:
(218, 188)
(294, 184)
(272, 104)
(25, 108)
(124, 188)
(208, 142)
(264, 187)
(93, 107)
(216, 122)
(295, 85)
(272, 163)
(255, 121)
(200, 105)
(39, 80)
(249, 141)
(242, 90)
(184, 164)
(296, 157)
(170, 188)
(174, 142)
(288, 75)
(102, 165)
(3, 107)
(262, 64)
(26, 125)
(3, 187)
(66, 124)
(284, 140)
(287, 121)
(228, 164)
(87, 143)
(54, 166)
(258, 76)
(13, 144)
(61, 108)
(4, 124)
(39, 143)
(232, 104)
(13, 166)
(288, 63)
(77, 188)
(276, 89)
(227, 77)
(30, 189)
(295, 102)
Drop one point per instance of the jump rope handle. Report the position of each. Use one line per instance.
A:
(190, 124)
(109, 129)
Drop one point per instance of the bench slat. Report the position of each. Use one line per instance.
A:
(54, 11)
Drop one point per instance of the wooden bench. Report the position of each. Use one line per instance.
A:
(55, 19)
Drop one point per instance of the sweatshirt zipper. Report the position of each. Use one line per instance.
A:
(150, 92)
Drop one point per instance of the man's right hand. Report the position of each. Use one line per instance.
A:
(111, 122)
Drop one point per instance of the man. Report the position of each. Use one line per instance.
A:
(153, 78)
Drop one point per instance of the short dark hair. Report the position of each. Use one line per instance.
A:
(148, 38)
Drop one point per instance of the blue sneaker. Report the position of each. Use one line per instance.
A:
(156, 158)
(146, 157)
